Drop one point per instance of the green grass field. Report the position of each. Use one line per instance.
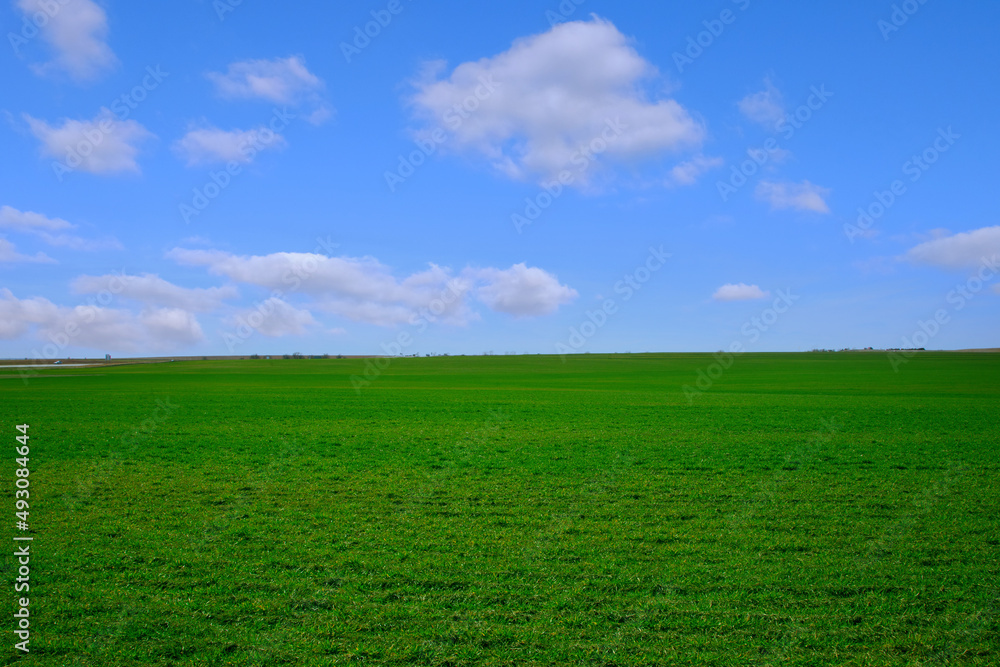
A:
(808, 509)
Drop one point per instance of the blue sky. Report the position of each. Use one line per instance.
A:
(217, 178)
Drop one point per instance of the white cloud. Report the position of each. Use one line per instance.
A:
(523, 292)
(766, 107)
(17, 315)
(155, 291)
(197, 240)
(799, 196)
(77, 31)
(364, 290)
(739, 292)
(361, 289)
(960, 251)
(41, 226)
(9, 255)
(276, 317)
(77, 243)
(687, 173)
(207, 145)
(28, 221)
(100, 146)
(281, 81)
(320, 115)
(170, 327)
(105, 329)
(770, 157)
(561, 100)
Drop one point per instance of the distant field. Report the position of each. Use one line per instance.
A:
(806, 509)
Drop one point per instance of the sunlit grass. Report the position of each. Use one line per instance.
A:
(808, 509)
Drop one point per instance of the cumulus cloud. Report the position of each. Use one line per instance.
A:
(8, 255)
(688, 173)
(361, 289)
(207, 145)
(798, 196)
(739, 292)
(281, 81)
(152, 290)
(169, 327)
(276, 318)
(17, 315)
(561, 100)
(959, 251)
(365, 290)
(42, 226)
(101, 146)
(766, 108)
(76, 31)
(523, 292)
(105, 329)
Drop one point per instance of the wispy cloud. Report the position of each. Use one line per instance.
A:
(766, 108)
(9, 255)
(688, 173)
(77, 32)
(802, 196)
(208, 145)
(282, 81)
(28, 221)
(42, 227)
(739, 292)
